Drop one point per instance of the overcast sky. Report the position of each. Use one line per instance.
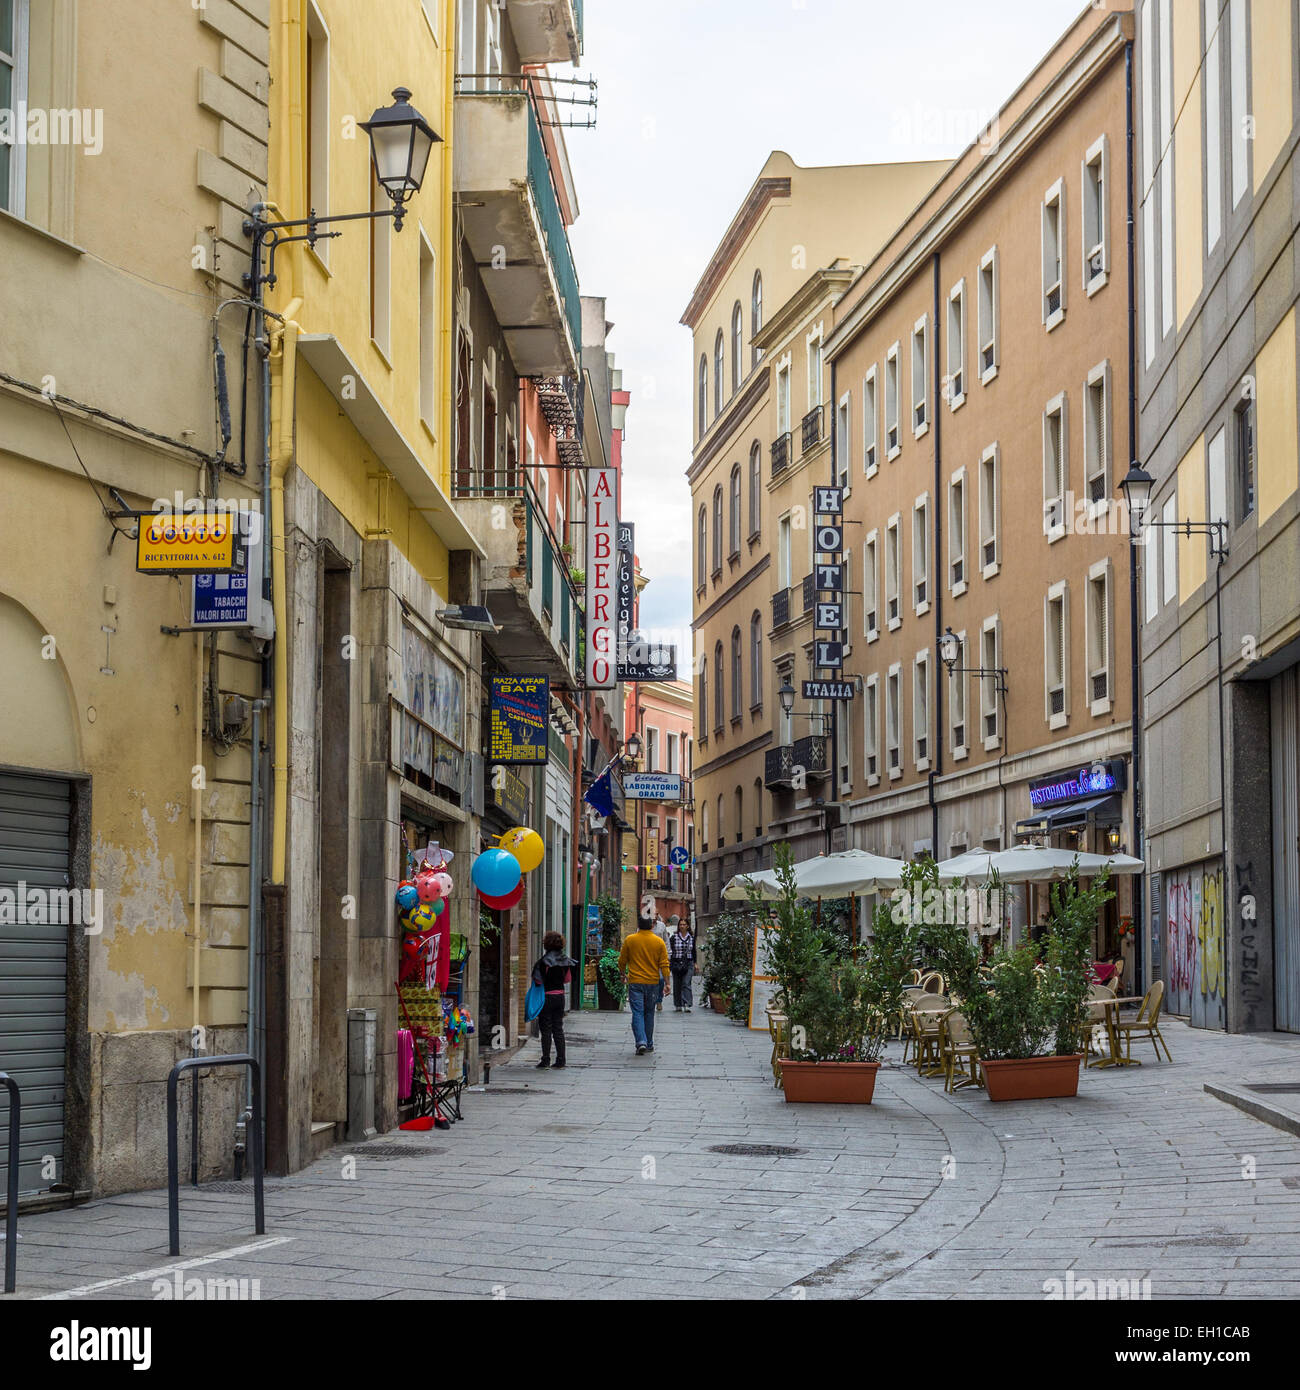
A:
(693, 96)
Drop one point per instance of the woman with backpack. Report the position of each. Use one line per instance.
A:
(553, 972)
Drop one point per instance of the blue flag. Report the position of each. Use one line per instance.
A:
(599, 796)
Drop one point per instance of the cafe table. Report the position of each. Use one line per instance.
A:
(1110, 1008)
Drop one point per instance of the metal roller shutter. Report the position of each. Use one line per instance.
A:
(35, 823)
(1284, 705)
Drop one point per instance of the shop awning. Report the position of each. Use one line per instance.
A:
(1073, 813)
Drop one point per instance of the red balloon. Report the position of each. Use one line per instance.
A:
(510, 899)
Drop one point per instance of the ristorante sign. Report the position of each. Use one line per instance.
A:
(1097, 779)
(602, 578)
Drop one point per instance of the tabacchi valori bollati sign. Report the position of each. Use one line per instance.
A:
(602, 577)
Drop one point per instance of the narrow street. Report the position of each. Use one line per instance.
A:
(602, 1181)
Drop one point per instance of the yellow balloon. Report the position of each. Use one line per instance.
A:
(526, 845)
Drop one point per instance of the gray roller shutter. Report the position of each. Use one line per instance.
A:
(35, 821)
(1284, 703)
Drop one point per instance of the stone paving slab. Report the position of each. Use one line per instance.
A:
(598, 1182)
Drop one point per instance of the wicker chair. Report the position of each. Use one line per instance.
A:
(958, 1052)
(925, 1018)
(1145, 1023)
(779, 1028)
(1096, 1018)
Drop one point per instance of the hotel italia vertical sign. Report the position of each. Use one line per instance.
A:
(602, 578)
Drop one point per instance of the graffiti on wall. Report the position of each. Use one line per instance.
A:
(1194, 944)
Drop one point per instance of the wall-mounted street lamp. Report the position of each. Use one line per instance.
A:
(400, 144)
(632, 748)
(950, 652)
(786, 696)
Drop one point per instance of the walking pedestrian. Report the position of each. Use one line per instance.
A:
(553, 971)
(681, 960)
(643, 962)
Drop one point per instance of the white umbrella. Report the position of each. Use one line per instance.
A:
(737, 890)
(843, 875)
(1033, 864)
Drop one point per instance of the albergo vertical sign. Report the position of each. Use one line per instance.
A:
(602, 577)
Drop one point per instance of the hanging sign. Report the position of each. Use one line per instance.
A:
(828, 501)
(829, 690)
(602, 567)
(653, 786)
(520, 709)
(651, 848)
(176, 543)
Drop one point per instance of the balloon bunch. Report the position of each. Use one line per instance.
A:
(498, 873)
(423, 912)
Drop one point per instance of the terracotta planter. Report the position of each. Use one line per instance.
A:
(719, 1003)
(1033, 1078)
(832, 1083)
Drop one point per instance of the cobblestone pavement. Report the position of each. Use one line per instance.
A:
(599, 1181)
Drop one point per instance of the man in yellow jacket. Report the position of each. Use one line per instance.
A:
(643, 963)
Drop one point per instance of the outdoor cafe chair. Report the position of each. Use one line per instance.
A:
(1096, 1019)
(958, 1051)
(1145, 1023)
(925, 1019)
(933, 983)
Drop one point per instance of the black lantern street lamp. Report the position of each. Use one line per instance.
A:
(632, 747)
(786, 696)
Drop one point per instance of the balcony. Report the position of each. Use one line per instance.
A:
(513, 224)
(525, 581)
(780, 607)
(780, 454)
(811, 429)
(809, 592)
(805, 757)
(546, 31)
(812, 753)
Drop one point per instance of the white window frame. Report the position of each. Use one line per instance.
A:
(894, 728)
(894, 580)
(921, 707)
(1097, 157)
(429, 316)
(957, 379)
(959, 684)
(381, 297)
(844, 442)
(989, 696)
(784, 550)
(1169, 515)
(871, 585)
(1094, 467)
(16, 194)
(652, 748)
(1056, 409)
(957, 528)
(814, 339)
(842, 713)
(921, 567)
(1238, 88)
(990, 509)
(871, 728)
(1213, 134)
(1054, 198)
(1151, 570)
(783, 402)
(318, 137)
(671, 752)
(870, 422)
(921, 401)
(1100, 649)
(1057, 597)
(987, 307)
(893, 396)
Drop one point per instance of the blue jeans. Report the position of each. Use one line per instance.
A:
(643, 999)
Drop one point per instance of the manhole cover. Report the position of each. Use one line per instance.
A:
(385, 1151)
(1277, 1088)
(240, 1188)
(755, 1150)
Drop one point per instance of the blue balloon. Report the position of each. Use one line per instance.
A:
(408, 899)
(496, 872)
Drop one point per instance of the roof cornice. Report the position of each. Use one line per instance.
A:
(820, 286)
(744, 222)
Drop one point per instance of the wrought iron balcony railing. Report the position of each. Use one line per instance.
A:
(812, 428)
(780, 453)
(780, 607)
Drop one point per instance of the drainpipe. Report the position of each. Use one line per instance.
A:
(936, 588)
(835, 721)
(1140, 963)
(448, 231)
(198, 828)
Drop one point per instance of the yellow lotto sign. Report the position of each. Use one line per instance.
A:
(185, 544)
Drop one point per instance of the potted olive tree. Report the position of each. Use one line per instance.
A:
(728, 964)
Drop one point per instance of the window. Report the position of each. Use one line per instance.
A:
(843, 438)
(1055, 468)
(894, 720)
(957, 532)
(737, 685)
(652, 750)
(843, 716)
(783, 560)
(870, 423)
(381, 269)
(428, 335)
(893, 440)
(957, 345)
(987, 311)
(718, 379)
(1151, 569)
(704, 703)
(871, 730)
(870, 587)
(719, 702)
(1243, 430)
(814, 346)
(957, 701)
(737, 345)
(13, 92)
(1056, 656)
(740, 815)
(756, 661)
(467, 60)
(1169, 517)
(717, 530)
(702, 393)
(990, 555)
(1100, 694)
(921, 711)
(758, 808)
(722, 824)
(920, 398)
(1217, 466)
(1147, 125)
(1213, 129)
(990, 654)
(756, 315)
(1239, 126)
(701, 548)
(1096, 436)
(755, 490)
(672, 767)
(704, 841)
(1053, 218)
(893, 572)
(1094, 217)
(317, 120)
(783, 398)
(921, 554)
(733, 515)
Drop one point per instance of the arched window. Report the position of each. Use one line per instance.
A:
(758, 808)
(737, 345)
(755, 489)
(704, 827)
(702, 547)
(717, 529)
(722, 825)
(733, 518)
(703, 393)
(719, 702)
(737, 684)
(740, 816)
(756, 660)
(717, 374)
(704, 703)
(756, 315)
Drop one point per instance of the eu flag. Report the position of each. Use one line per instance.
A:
(599, 796)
